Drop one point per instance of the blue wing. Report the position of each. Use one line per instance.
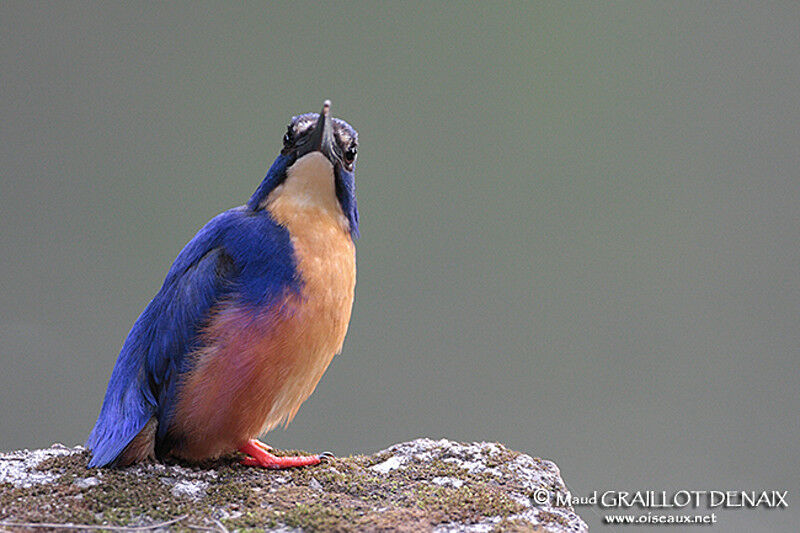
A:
(240, 254)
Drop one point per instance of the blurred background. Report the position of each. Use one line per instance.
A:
(580, 222)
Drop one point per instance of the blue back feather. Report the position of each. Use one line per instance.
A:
(275, 176)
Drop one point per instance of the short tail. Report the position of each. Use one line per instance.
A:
(128, 407)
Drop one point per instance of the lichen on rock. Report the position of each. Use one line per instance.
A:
(422, 485)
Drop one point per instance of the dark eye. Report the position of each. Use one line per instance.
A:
(288, 138)
(350, 154)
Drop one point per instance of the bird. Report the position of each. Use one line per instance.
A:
(248, 318)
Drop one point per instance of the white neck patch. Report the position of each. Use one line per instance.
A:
(309, 184)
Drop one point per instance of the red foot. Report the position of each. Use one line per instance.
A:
(259, 456)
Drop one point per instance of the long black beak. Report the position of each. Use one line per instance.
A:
(321, 139)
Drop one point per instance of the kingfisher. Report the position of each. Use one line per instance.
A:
(249, 317)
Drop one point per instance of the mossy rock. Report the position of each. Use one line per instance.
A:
(422, 485)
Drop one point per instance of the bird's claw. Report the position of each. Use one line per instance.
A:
(325, 456)
(249, 461)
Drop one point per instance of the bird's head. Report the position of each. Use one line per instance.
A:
(312, 136)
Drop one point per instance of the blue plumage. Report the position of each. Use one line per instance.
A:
(346, 194)
(243, 252)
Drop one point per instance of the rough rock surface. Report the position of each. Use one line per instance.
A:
(423, 485)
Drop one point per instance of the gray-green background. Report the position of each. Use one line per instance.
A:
(580, 222)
